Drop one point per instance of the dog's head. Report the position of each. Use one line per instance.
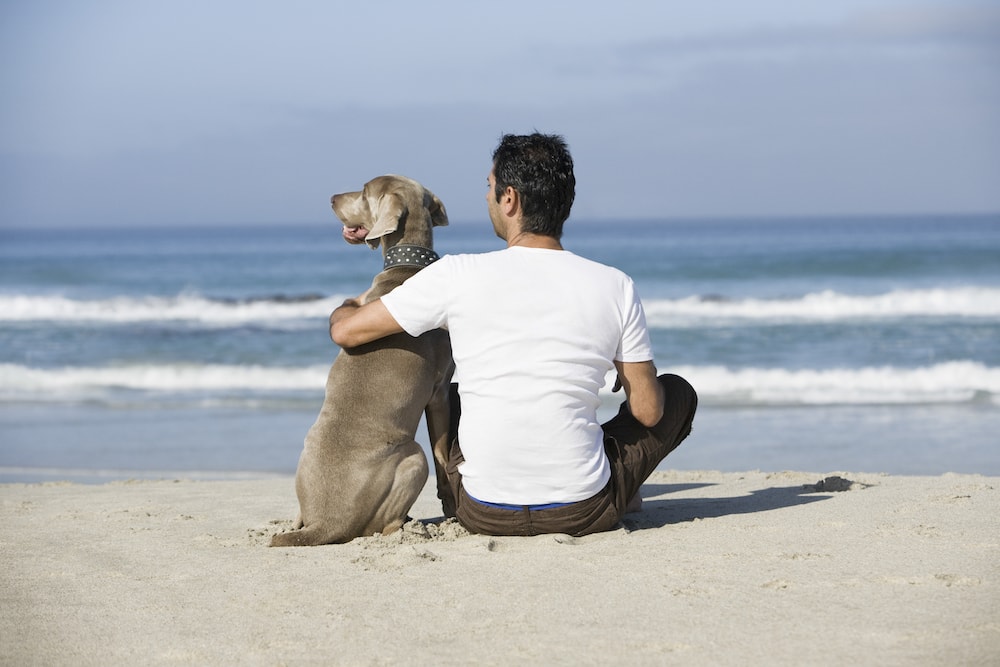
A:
(383, 206)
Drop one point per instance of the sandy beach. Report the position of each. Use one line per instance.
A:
(718, 569)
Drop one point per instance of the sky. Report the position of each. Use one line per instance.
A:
(194, 112)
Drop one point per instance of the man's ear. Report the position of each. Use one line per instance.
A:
(510, 201)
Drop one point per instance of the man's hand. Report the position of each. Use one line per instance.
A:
(340, 313)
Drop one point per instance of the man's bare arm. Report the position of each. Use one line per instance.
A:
(643, 390)
(353, 324)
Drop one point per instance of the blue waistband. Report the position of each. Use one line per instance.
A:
(519, 508)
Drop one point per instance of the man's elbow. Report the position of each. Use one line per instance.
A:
(343, 336)
(647, 407)
(650, 416)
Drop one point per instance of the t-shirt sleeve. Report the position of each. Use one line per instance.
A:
(418, 305)
(635, 344)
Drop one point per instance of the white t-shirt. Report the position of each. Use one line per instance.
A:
(534, 333)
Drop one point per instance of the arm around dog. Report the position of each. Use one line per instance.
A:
(353, 324)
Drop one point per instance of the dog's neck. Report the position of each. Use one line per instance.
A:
(409, 255)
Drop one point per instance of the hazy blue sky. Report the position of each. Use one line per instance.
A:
(202, 112)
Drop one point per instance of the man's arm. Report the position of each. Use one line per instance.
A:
(643, 391)
(353, 324)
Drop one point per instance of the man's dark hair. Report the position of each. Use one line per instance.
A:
(540, 168)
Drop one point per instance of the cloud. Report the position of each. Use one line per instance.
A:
(977, 26)
(913, 28)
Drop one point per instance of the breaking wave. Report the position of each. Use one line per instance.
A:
(282, 310)
(950, 382)
(218, 384)
(22, 383)
(184, 308)
(826, 306)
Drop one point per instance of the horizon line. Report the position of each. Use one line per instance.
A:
(464, 222)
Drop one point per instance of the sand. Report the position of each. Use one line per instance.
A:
(718, 569)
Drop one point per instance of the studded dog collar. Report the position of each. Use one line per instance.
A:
(409, 255)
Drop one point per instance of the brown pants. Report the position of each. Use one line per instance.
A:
(633, 450)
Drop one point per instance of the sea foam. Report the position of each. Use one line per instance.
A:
(952, 382)
(54, 384)
(188, 308)
(197, 310)
(826, 306)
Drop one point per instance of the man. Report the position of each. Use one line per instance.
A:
(534, 331)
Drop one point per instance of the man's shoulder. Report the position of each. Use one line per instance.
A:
(508, 259)
(592, 265)
(460, 261)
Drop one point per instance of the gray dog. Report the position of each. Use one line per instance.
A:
(361, 470)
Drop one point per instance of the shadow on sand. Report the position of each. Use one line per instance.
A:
(658, 512)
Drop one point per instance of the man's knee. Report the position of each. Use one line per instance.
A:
(678, 391)
(680, 404)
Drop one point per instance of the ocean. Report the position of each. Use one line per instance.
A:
(820, 344)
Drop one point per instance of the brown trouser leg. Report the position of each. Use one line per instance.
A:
(633, 450)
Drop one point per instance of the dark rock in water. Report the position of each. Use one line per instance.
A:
(291, 298)
(274, 298)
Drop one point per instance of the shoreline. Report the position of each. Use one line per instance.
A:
(718, 568)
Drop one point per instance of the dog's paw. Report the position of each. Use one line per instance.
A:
(416, 528)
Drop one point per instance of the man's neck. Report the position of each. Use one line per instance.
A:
(529, 240)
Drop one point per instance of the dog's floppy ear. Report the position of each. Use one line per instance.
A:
(386, 209)
(439, 217)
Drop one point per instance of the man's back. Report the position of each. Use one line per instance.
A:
(534, 334)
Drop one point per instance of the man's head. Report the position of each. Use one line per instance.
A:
(540, 169)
